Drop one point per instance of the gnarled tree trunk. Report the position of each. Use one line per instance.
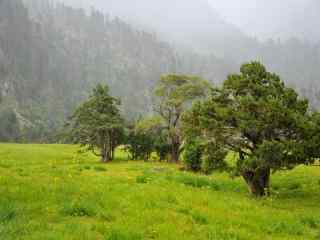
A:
(258, 181)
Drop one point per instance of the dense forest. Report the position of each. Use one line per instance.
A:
(51, 55)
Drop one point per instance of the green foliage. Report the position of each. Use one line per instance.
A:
(192, 155)
(147, 136)
(255, 115)
(213, 158)
(161, 146)
(139, 145)
(10, 127)
(174, 94)
(97, 124)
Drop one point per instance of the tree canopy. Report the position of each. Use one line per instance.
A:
(256, 116)
(97, 123)
(174, 94)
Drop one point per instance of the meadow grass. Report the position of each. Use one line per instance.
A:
(53, 192)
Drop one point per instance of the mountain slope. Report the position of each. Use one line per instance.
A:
(191, 24)
(194, 24)
(52, 55)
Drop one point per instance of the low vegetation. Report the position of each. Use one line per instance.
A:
(53, 192)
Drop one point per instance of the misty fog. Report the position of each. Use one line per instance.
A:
(258, 18)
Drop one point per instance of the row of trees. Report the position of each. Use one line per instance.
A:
(253, 115)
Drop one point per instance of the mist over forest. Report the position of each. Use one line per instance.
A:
(53, 52)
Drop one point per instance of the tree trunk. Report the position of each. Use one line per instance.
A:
(258, 181)
(105, 158)
(175, 153)
(105, 154)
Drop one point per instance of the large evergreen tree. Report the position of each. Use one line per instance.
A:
(256, 116)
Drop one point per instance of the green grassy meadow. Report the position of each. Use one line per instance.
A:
(53, 192)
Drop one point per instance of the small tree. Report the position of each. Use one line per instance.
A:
(174, 94)
(257, 117)
(97, 124)
(192, 155)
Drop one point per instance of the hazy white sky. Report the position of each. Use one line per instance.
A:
(238, 9)
(257, 16)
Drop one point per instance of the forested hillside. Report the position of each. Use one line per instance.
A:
(194, 24)
(51, 55)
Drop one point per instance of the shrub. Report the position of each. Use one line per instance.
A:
(213, 158)
(139, 145)
(192, 155)
(161, 147)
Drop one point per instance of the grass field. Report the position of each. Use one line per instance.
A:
(52, 192)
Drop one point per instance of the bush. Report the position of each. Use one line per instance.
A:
(204, 157)
(192, 155)
(139, 145)
(213, 158)
(161, 147)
